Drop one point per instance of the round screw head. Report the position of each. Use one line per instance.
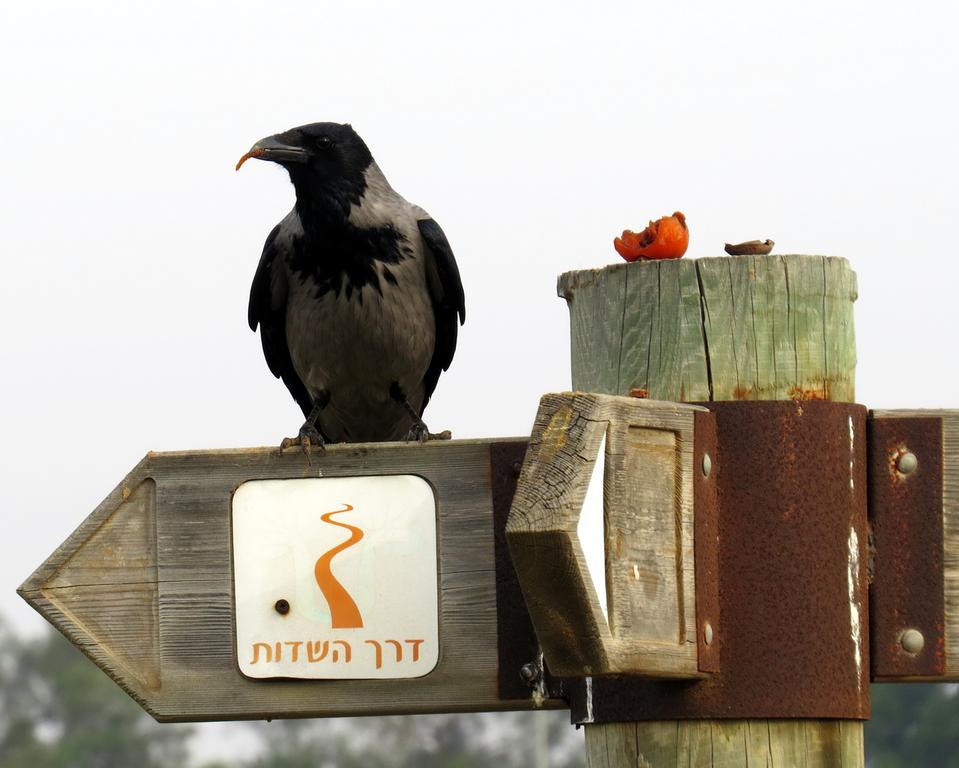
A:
(282, 606)
(907, 462)
(912, 641)
(707, 464)
(708, 633)
(529, 673)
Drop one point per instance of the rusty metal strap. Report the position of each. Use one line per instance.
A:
(790, 479)
(905, 511)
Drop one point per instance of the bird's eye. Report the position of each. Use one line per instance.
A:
(324, 142)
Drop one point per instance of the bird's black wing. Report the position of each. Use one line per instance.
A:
(268, 310)
(446, 293)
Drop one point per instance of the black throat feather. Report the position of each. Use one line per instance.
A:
(341, 257)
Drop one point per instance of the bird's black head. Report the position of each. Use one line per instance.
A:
(324, 160)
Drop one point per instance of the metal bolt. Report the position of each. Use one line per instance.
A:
(282, 606)
(912, 641)
(907, 462)
(708, 633)
(530, 673)
(707, 464)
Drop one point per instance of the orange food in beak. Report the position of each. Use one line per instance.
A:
(666, 238)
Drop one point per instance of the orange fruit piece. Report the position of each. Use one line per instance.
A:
(666, 238)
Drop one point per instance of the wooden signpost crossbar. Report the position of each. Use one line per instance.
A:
(144, 586)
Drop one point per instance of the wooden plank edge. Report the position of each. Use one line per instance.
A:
(334, 448)
(86, 644)
(90, 524)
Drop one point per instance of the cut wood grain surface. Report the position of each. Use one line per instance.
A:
(145, 586)
(731, 328)
(950, 522)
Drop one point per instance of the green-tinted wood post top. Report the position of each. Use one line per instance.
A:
(731, 328)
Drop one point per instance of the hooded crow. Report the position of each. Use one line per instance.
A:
(357, 295)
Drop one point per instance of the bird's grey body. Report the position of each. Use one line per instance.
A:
(357, 297)
(355, 349)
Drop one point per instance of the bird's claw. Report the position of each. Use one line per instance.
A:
(419, 433)
(308, 438)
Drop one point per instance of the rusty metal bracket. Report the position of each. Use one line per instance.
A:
(907, 608)
(790, 479)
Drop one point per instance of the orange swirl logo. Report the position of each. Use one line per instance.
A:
(343, 609)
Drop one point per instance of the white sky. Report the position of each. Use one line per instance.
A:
(533, 134)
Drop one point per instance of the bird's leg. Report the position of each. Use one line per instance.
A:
(419, 432)
(309, 435)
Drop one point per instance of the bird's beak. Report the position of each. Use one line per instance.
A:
(271, 148)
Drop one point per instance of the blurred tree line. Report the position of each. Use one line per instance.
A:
(57, 710)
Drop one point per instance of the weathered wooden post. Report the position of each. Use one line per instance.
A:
(792, 679)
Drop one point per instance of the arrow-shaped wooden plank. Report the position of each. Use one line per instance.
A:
(145, 586)
(100, 588)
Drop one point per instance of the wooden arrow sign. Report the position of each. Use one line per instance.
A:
(154, 584)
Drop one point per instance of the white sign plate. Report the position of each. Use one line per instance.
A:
(354, 559)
